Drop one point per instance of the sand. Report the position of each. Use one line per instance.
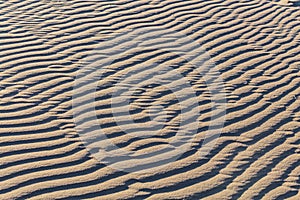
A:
(194, 99)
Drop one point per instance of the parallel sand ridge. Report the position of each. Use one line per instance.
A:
(255, 46)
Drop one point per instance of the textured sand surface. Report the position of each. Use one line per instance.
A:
(255, 46)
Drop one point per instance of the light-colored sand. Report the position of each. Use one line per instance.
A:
(255, 46)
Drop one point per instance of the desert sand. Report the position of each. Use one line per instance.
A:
(172, 72)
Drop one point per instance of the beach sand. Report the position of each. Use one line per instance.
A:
(243, 98)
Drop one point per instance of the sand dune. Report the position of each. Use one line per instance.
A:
(249, 54)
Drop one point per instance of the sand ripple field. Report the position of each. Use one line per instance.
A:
(153, 94)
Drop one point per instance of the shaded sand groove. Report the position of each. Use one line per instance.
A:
(255, 45)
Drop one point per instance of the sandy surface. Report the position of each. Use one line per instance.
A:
(251, 48)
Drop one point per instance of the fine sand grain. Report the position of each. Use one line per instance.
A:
(252, 48)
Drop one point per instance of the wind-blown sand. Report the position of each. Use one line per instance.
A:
(255, 48)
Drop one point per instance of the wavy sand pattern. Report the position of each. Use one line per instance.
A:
(255, 48)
